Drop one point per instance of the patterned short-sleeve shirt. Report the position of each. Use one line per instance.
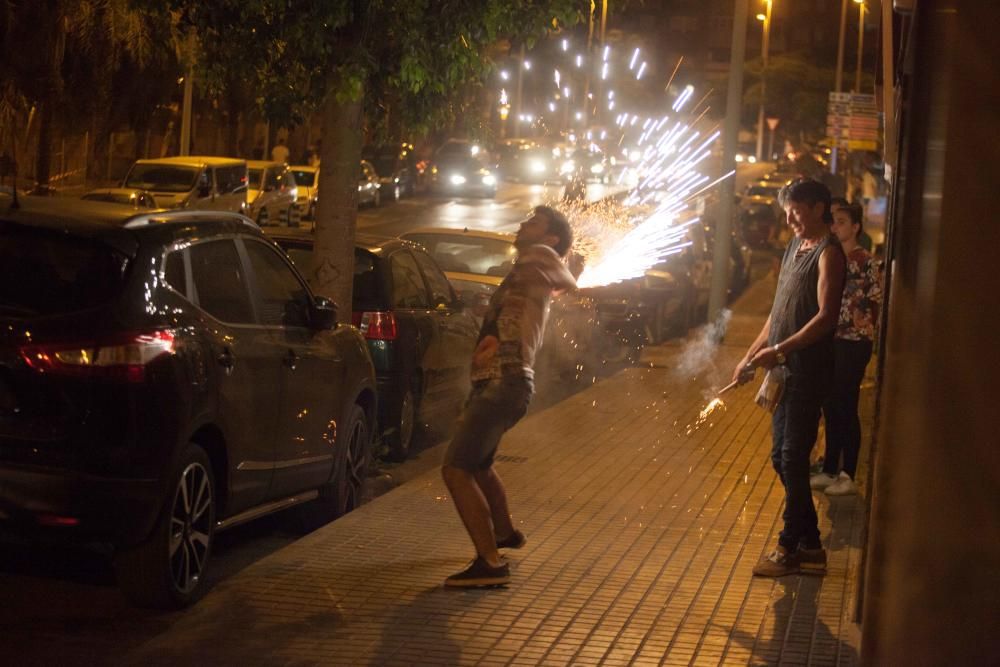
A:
(859, 307)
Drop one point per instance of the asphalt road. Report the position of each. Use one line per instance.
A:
(71, 591)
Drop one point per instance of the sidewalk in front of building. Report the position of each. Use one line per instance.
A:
(643, 523)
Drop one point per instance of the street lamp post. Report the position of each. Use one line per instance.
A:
(861, 43)
(839, 81)
(764, 45)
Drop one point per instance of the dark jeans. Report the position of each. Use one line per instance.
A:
(840, 410)
(793, 431)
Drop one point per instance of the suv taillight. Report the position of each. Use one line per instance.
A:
(376, 325)
(122, 357)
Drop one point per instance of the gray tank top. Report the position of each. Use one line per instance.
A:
(796, 302)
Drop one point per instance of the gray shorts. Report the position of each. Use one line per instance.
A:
(493, 407)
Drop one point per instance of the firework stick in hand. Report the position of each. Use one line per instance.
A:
(731, 385)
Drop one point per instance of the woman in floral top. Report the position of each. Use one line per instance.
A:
(859, 310)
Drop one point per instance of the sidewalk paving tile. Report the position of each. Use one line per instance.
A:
(643, 524)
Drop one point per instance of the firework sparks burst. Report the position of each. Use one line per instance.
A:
(622, 239)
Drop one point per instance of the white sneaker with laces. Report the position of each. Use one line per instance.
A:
(844, 486)
(821, 480)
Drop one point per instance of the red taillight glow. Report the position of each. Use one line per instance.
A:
(376, 325)
(56, 521)
(122, 357)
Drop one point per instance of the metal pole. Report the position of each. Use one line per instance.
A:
(720, 265)
(764, 48)
(186, 113)
(517, 96)
(861, 43)
(839, 84)
(604, 18)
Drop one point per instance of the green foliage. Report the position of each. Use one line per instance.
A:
(797, 92)
(410, 58)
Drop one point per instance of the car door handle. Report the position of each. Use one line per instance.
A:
(291, 360)
(227, 360)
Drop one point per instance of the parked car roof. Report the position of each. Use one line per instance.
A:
(194, 160)
(373, 243)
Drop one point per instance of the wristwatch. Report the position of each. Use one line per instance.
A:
(779, 355)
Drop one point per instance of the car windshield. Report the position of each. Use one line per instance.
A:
(162, 177)
(762, 191)
(48, 273)
(385, 164)
(304, 178)
(469, 254)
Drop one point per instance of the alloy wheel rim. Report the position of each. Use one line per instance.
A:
(190, 528)
(355, 468)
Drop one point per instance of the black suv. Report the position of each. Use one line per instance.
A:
(164, 376)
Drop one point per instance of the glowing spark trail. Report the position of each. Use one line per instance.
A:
(661, 158)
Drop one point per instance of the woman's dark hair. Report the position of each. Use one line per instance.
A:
(807, 191)
(558, 226)
(856, 211)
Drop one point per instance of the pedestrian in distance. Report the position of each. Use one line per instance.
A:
(852, 346)
(280, 152)
(502, 385)
(796, 342)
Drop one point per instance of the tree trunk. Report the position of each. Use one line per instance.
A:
(100, 153)
(332, 271)
(43, 156)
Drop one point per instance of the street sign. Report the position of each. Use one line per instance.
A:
(853, 121)
(772, 123)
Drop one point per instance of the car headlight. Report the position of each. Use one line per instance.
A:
(568, 167)
(294, 192)
(752, 159)
(739, 157)
(537, 166)
(597, 168)
(457, 179)
(489, 179)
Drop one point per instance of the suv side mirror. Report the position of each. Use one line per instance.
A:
(323, 314)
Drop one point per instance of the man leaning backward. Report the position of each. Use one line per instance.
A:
(502, 385)
(796, 344)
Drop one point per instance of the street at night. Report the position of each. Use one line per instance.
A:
(546, 332)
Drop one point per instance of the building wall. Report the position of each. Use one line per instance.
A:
(932, 587)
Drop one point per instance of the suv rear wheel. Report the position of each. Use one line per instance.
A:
(167, 570)
(356, 461)
(401, 440)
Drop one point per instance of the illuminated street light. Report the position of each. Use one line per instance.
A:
(505, 75)
(565, 45)
(527, 64)
(579, 60)
(765, 42)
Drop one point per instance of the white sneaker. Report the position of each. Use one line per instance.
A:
(821, 480)
(844, 486)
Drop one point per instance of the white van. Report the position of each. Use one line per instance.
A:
(193, 182)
